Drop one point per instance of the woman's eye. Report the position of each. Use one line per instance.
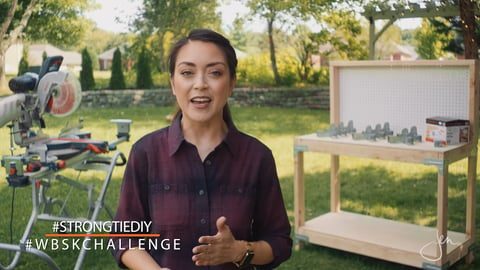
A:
(216, 73)
(186, 73)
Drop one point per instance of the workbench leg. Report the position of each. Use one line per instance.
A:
(471, 196)
(299, 194)
(335, 183)
(471, 200)
(442, 212)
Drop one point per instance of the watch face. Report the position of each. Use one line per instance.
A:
(248, 259)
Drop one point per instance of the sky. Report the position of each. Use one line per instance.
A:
(125, 10)
(105, 17)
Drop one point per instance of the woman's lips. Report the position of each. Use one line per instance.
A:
(201, 100)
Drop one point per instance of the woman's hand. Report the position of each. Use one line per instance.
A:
(220, 248)
(140, 259)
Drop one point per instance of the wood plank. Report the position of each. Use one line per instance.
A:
(381, 149)
(386, 63)
(381, 238)
(299, 191)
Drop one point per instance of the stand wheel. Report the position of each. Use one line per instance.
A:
(299, 245)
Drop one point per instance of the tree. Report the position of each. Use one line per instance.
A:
(160, 21)
(464, 23)
(430, 44)
(271, 11)
(11, 28)
(23, 66)
(237, 34)
(343, 32)
(57, 21)
(280, 12)
(117, 80)
(460, 28)
(44, 56)
(144, 74)
(469, 27)
(86, 74)
(304, 47)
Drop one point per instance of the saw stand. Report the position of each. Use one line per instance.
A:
(42, 205)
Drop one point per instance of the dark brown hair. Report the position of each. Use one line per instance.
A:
(206, 35)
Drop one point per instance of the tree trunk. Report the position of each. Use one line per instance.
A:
(273, 58)
(3, 78)
(467, 15)
(12, 36)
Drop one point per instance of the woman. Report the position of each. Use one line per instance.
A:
(205, 186)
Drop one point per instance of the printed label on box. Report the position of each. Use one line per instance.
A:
(447, 131)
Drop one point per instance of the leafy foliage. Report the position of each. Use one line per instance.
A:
(61, 22)
(58, 21)
(431, 44)
(167, 18)
(451, 27)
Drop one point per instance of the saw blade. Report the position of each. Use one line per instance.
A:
(60, 93)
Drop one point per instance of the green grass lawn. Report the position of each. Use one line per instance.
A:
(392, 190)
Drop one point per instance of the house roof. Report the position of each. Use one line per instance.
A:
(407, 50)
(108, 54)
(35, 55)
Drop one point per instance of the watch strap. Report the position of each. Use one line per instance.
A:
(247, 257)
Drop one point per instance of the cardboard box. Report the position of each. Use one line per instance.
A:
(447, 131)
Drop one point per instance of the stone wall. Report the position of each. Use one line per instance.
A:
(299, 98)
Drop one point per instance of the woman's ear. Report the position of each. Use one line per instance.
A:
(172, 86)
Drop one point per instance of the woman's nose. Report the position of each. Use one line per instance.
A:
(200, 82)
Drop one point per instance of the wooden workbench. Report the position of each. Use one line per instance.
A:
(400, 242)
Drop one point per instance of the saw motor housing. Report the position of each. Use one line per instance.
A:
(51, 91)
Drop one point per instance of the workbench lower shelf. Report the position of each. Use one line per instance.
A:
(385, 239)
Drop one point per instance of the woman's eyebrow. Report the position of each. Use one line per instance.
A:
(216, 63)
(187, 63)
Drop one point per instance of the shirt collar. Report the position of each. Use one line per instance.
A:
(176, 138)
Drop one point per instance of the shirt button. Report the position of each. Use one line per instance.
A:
(208, 162)
(203, 221)
(166, 187)
(201, 192)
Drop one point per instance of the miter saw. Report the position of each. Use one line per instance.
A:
(41, 165)
(58, 93)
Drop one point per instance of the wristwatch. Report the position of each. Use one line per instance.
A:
(247, 258)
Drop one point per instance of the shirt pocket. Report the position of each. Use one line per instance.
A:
(169, 205)
(238, 205)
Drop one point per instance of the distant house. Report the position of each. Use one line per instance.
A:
(404, 52)
(12, 58)
(71, 60)
(322, 58)
(105, 58)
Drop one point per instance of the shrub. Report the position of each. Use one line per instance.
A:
(117, 81)
(23, 65)
(144, 74)
(255, 70)
(86, 74)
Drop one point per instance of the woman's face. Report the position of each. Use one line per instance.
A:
(201, 82)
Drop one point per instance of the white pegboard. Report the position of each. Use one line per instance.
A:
(404, 96)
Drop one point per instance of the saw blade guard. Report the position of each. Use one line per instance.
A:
(59, 93)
